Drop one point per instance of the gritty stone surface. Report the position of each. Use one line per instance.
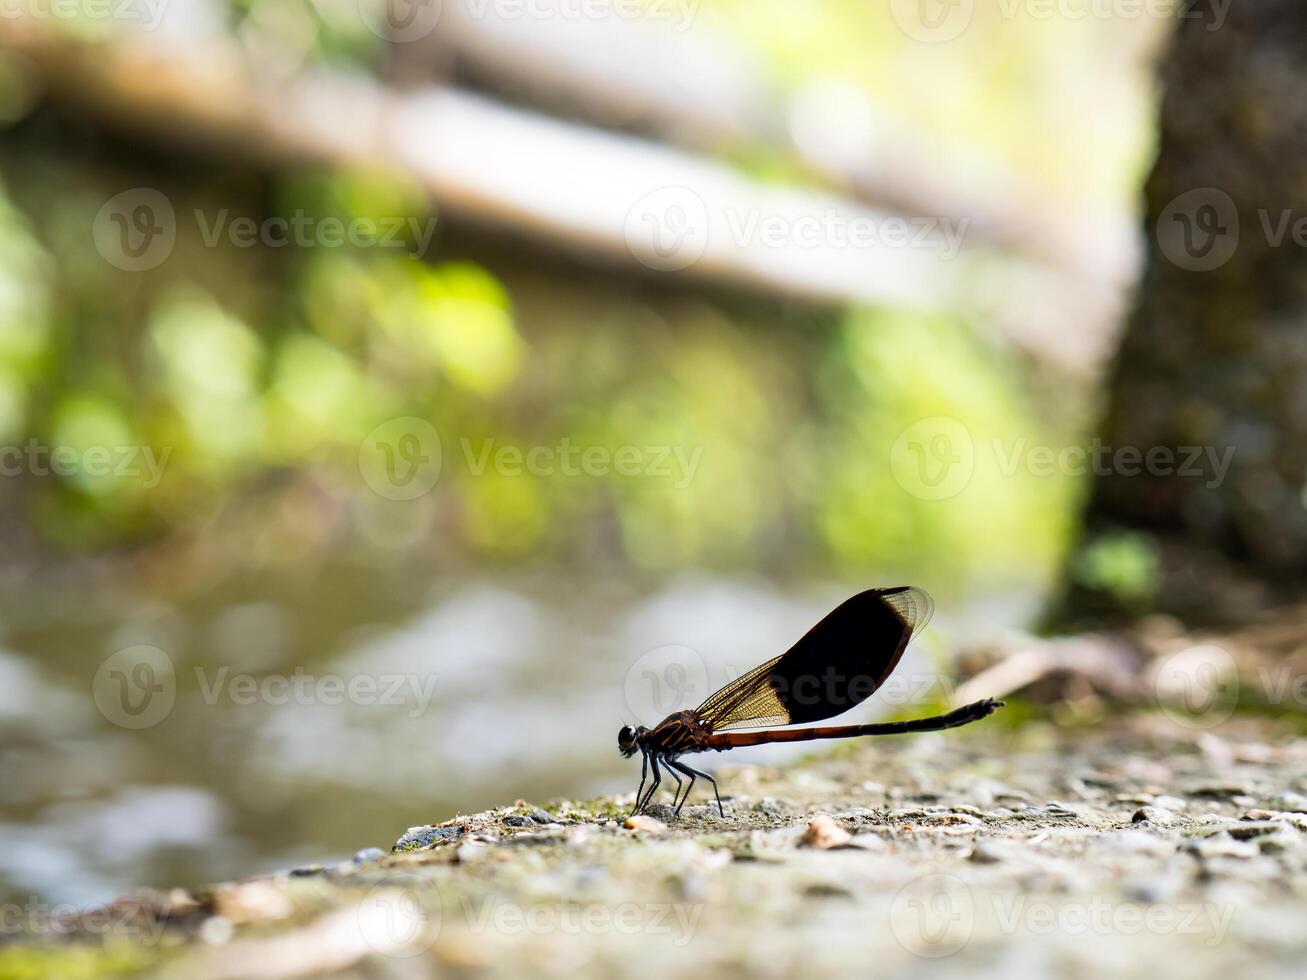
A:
(1129, 850)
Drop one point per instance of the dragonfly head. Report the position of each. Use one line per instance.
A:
(629, 739)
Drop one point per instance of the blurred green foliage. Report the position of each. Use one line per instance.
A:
(1123, 564)
(788, 420)
(255, 373)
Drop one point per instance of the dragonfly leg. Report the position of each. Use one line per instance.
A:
(695, 772)
(671, 771)
(653, 787)
(682, 767)
(644, 774)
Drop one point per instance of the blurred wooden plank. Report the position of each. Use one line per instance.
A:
(633, 203)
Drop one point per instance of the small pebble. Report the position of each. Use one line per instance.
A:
(1155, 815)
(517, 820)
(998, 850)
(824, 833)
(1223, 847)
(540, 816)
(1251, 829)
(368, 855)
(471, 852)
(217, 930)
(645, 824)
(416, 838)
(1291, 802)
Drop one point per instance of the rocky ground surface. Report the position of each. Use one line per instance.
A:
(1134, 848)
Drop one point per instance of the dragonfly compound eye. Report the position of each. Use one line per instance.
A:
(626, 740)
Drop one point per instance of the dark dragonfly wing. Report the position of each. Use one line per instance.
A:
(837, 664)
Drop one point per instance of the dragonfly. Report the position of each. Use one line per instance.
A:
(837, 664)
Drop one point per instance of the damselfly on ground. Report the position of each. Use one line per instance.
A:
(839, 663)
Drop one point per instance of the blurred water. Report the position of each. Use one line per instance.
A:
(304, 728)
